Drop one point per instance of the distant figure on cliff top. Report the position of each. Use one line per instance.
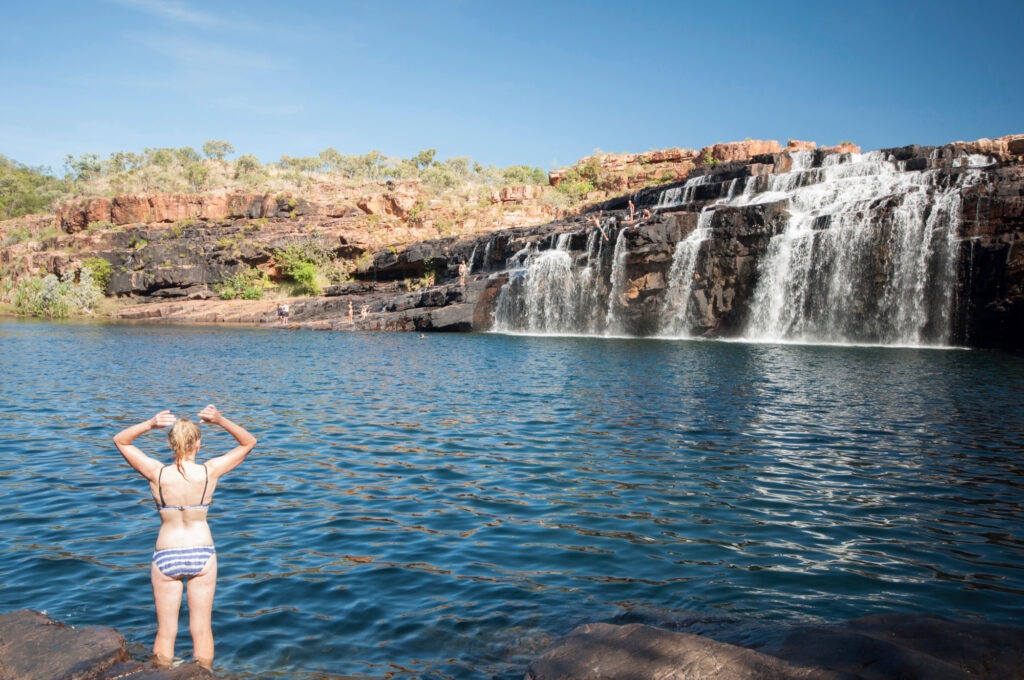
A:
(184, 547)
(282, 313)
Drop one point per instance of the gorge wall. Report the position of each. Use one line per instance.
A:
(910, 246)
(905, 246)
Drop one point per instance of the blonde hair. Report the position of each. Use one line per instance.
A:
(183, 437)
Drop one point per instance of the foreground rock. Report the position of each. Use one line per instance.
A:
(35, 647)
(869, 648)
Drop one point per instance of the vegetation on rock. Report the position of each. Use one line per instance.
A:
(58, 297)
(25, 190)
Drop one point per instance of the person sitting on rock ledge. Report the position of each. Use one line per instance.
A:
(184, 546)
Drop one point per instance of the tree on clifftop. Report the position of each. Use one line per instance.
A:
(217, 149)
(25, 190)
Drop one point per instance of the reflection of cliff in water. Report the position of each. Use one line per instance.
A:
(797, 246)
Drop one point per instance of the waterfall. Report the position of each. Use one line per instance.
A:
(547, 294)
(868, 255)
(616, 300)
(680, 195)
(677, 315)
(486, 264)
(841, 248)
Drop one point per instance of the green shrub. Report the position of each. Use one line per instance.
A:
(17, 235)
(197, 175)
(523, 174)
(575, 189)
(304, 274)
(100, 269)
(58, 298)
(305, 263)
(25, 190)
(247, 284)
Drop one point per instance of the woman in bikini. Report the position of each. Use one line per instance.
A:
(184, 546)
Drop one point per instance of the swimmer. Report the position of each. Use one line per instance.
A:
(182, 493)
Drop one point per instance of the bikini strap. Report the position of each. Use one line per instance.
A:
(159, 487)
(205, 483)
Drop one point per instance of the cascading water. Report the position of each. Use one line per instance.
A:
(547, 294)
(852, 249)
(677, 317)
(616, 301)
(868, 255)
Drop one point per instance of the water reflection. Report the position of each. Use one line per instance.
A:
(445, 506)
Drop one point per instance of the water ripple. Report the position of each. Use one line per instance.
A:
(442, 508)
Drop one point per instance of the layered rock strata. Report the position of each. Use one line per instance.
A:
(193, 243)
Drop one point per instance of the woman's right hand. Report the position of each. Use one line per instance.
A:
(210, 414)
(163, 419)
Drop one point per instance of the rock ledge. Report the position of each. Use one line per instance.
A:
(870, 648)
(35, 647)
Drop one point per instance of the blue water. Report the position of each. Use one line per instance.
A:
(443, 507)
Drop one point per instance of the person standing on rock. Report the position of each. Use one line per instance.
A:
(184, 547)
(598, 226)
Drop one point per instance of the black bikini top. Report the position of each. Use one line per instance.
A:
(163, 506)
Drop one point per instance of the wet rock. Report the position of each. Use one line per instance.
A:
(871, 648)
(600, 651)
(35, 647)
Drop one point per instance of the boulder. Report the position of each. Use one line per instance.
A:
(601, 651)
(871, 648)
(35, 647)
(740, 151)
(374, 204)
(797, 145)
(520, 194)
(130, 209)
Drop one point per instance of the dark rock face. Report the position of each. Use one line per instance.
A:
(963, 284)
(645, 291)
(870, 648)
(35, 647)
(992, 261)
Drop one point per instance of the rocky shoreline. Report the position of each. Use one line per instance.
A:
(880, 647)
(35, 647)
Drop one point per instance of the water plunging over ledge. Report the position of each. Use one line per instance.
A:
(832, 248)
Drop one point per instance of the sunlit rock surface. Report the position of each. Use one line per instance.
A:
(35, 647)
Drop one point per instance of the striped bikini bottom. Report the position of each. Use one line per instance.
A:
(179, 563)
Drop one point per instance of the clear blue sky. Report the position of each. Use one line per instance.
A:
(536, 82)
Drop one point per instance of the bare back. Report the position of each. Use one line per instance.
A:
(183, 503)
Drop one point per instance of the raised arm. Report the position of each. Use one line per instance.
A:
(143, 464)
(246, 442)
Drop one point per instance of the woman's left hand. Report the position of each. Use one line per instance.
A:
(163, 419)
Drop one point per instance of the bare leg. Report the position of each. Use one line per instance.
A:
(167, 597)
(200, 612)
